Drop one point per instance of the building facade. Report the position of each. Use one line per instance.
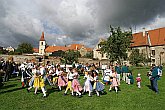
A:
(151, 43)
(97, 52)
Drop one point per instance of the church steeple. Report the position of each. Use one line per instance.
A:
(42, 37)
(42, 44)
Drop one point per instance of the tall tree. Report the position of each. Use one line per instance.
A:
(25, 48)
(116, 46)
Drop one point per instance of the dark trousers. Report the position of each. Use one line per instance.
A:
(6, 77)
(154, 85)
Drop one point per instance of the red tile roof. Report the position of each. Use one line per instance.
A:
(51, 49)
(157, 37)
(78, 47)
(42, 37)
(139, 40)
(75, 46)
(36, 50)
(89, 49)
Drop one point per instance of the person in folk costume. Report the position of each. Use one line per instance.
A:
(87, 85)
(62, 81)
(92, 70)
(31, 82)
(86, 69)
(107, 75)
(85, 74)
(114, 81)
(125, 72)
(48, 76)
(55, 78)
(43, 74)
(98, 86)
(75, 83)
(25, 75)
(118, 70)
(69, 84)
(39, 82)
(51, 74)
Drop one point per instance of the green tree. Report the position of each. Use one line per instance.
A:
(70, 56)
(135, 57)
(116, 46)
(89, 55)
(25, 48)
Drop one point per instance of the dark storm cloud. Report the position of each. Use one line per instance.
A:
(129, 12)
(82, 21)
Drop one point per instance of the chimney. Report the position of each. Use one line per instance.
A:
(76, 47)
(149, 40)
(144, 32)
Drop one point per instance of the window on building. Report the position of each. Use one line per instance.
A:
(102, 55)
(153, 52)
(42, 43)
(153, 60)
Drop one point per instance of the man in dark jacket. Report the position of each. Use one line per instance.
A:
(154, 79)
(8, 68)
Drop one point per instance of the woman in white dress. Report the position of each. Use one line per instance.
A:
(87, 85)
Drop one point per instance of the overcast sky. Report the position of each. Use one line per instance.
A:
(74, 21)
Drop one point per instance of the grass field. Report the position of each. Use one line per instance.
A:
(13, 97)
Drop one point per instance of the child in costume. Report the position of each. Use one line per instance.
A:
(39, 82)
(98, 86)
(87, 85)
(114, 81)
(69, 85)
(86, 74)
(138, 80)
(75, 83)
(55, 78)
(62, 81)
(107, 75)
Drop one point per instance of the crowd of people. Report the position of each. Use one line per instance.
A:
(96, 77)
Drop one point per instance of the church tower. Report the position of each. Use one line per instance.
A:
(42, 44)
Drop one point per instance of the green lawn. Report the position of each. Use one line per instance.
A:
(13, 97)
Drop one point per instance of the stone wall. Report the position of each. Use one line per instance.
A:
(52, 60)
